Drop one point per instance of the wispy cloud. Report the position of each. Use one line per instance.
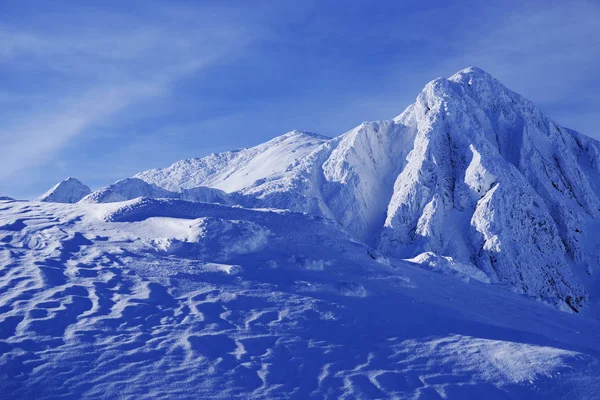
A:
(541, 41)
(100, 65)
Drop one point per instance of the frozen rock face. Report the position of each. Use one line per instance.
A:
(70, 190)
(492, 181)
(471, 172)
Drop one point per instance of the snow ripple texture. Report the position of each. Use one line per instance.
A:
(172, 299)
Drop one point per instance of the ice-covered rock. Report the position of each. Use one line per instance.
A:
(491, 180)
(69, 190)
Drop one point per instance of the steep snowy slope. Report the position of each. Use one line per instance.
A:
(348, 179)
(471, 172)
(173, 299)
(70, 190)
(359, 172)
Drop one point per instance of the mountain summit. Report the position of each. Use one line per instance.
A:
(471, 172)
(70, 190)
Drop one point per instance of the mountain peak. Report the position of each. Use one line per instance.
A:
(69, 190)
(481, 85)
(471, 84)
(471, 72)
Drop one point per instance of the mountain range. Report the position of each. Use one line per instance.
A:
(470, 174)
(447, 253)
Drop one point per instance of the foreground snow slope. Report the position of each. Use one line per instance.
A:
(471, 172)
(174, 299)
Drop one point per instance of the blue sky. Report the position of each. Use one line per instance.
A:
(102, 90)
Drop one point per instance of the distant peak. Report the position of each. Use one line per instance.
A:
(71, 179)
(69, 190)
(468, 76)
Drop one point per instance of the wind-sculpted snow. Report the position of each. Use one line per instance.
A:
(133, 188)
(127, 189)
(172, 299)
(206, 195)
(142, 208)
(447, 265)
(471, 172)
(70, 190)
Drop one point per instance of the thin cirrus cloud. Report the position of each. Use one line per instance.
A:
(94, 70)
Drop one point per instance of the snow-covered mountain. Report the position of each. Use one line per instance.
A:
(70, 190)
(471, 171)
(370, 265)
